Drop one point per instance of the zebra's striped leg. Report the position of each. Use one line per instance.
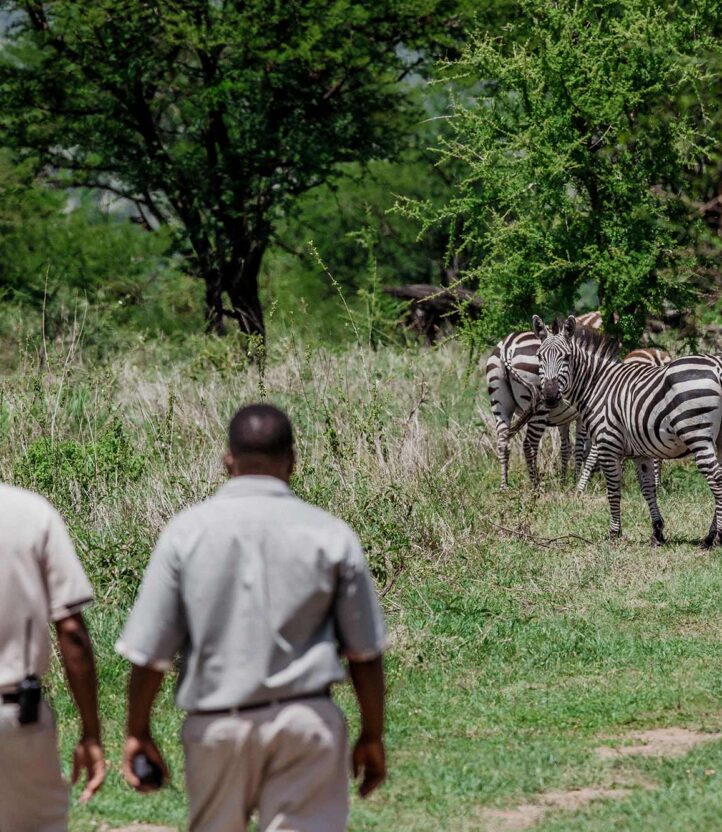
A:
(705, 454)
(580, 448)
(612, 467)
(589, 466)
(534, 432)
(645, 475)
(566, 449)
(657, 474)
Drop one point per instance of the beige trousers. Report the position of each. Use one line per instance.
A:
(289, 761)
(33, 795)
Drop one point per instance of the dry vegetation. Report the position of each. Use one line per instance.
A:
(523, 639)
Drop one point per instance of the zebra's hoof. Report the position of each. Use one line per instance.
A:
(615, 535)
(713, 539)
(658, 534)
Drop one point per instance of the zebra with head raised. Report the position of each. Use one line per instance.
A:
(637, 410)
(512, 374)
(651, 356)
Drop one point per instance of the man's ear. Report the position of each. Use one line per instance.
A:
(539, 327)
(228, 462)
(570, 326)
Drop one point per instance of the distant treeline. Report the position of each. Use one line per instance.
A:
(169, 163)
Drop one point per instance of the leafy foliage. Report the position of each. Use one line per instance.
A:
(575, 138)
(72, 473)
(61, 251)
(213, 117)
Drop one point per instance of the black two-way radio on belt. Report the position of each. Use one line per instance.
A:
(29, 690)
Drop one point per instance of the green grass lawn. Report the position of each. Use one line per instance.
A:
(514, 655)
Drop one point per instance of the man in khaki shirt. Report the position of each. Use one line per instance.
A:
(260, 593)
(41, 581)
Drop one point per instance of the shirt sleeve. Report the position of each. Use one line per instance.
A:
(156, 628)
(359, 621)
(68, 589)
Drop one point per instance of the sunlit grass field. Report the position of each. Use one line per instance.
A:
(522, 639)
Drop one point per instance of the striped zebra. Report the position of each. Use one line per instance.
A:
(639, 411)
(512, 374)
(648, 355)
(653, 357)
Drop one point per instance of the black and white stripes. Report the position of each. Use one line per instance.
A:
(651, 356)
(512, 374)
(635, 410)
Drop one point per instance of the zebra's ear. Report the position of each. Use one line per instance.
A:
(569, 326)
(539, 327)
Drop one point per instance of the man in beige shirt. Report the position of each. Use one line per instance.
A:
(41, 581)
(260, 593)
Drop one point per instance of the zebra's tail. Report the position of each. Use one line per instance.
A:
(534, 392)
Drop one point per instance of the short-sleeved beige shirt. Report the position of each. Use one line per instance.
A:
(41, 580)
(260, 593)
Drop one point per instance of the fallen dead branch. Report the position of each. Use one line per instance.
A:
(545, 542)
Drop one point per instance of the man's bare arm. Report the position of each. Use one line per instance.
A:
(143, 689)
(369, 761)
(76, 651)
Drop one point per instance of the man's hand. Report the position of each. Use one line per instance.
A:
(143, 688)
(369, 763)
(369, 760)
(77, 654)
(142, 745)
(88, 756)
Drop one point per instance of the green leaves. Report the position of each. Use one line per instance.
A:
(215, 117)
(572, 141)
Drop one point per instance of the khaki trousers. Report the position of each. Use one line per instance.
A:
(289, 761)
(33, 795)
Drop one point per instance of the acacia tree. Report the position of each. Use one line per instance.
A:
(571, 143)
(213, 115)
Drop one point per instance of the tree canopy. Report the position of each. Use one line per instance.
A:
(212, 117)
(573, 136)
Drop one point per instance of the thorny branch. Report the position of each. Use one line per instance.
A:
(545, 542)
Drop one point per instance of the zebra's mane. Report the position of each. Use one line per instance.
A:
(594, 341)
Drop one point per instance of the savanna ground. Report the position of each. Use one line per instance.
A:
(522, 639)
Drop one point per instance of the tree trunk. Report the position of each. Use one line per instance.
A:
(237, 282)
(242, 287)
(215, 323)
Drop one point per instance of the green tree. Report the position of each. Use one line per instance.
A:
(213, 116)
(575, 138)
(59, 251)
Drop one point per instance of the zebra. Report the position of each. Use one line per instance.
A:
(512, 379)
(591, 320)
(651, 356)
(648, 355)
(639, 411)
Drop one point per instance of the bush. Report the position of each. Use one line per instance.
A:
(572, 164)
(73, 473)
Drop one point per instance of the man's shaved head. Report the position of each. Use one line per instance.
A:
(260, 431)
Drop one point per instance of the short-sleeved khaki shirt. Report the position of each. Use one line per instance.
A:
(41, 580)
(259, 592)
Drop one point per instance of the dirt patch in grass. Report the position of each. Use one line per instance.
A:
(700, 627)
(529, 814)
(138, 827)
(659, 742)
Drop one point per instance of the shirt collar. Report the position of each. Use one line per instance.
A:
(254, 486)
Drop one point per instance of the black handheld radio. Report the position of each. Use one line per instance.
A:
(29, 695)
(147, 771)
(30, 689)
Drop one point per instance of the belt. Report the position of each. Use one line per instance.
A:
(11, 698)
(326, 693)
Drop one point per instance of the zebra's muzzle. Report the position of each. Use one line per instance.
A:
(551, 394)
